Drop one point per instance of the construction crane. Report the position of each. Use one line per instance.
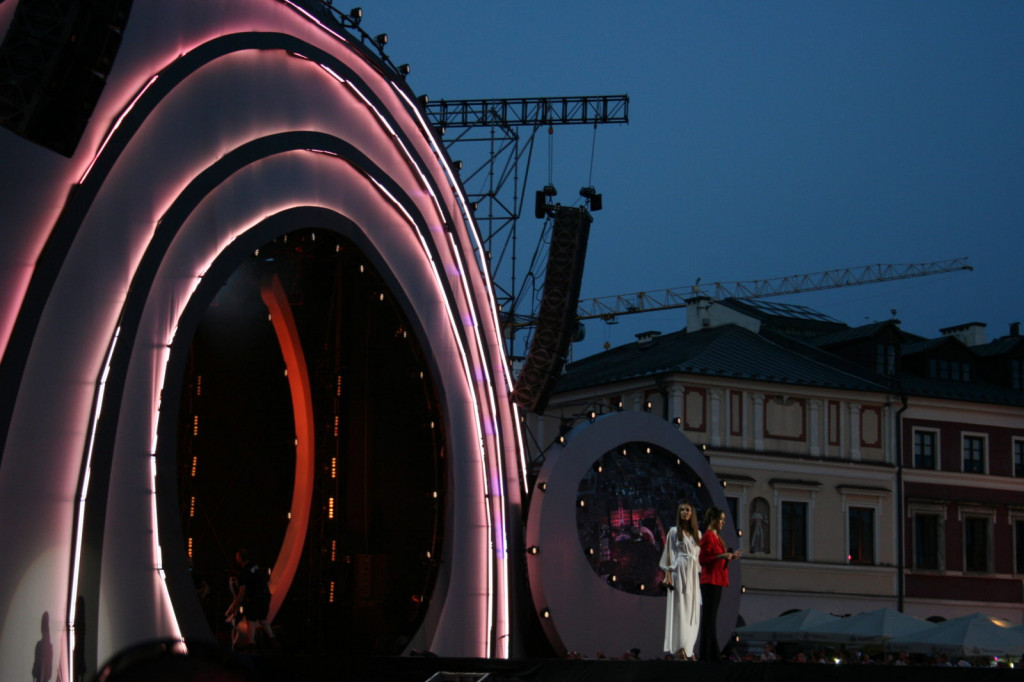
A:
(608, 308)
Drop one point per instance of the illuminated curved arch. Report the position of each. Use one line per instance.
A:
(126, 345)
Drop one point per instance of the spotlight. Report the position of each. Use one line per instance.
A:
(648, 405)
(355, 15)
(583, 504)
(533, 549)
(677, 421)
(381, 39)
(725, 484)
(457, 164)
(404, 69)
(618, 406)
(561, 440)
(592, 197)
(593, 416)
(545, 613)
(543, 486)
(590, 551)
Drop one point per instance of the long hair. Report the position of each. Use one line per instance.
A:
(693, 530)
(711, 515)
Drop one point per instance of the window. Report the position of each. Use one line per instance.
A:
(862, 535)
(951, 370)
(974, 454)
(794, 531)
(1018, 533)
(924, 449)
(927, 542)
(733, 504)
(1018, 458)
(885, 358)
(976, 544)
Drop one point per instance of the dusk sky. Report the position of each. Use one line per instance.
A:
(765, 139)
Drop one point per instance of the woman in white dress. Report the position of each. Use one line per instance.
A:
(682, 579)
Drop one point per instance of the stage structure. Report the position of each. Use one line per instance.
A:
(216, 139)
(605, 497)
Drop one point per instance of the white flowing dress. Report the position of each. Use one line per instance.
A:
(682, 612)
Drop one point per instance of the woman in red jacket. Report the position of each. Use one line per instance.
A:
(714, 575)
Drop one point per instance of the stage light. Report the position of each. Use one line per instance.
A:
(434, 494)
(624, 452)
(404, 69)
(725, 484)
(590, 551)
(614, 578)
(648, 450)
(592, 197)
(743, 589)
(739, 533)
(618, 406)
(543, 486)
(545, 613)
(457, 164)
(642, 587)
(561, 440)
(703, 447)
(583, 504)
(356, 15)
(699, 484)
(593, 416)
(381, 39)
(648, 405)
(677, 421)
(533, 549)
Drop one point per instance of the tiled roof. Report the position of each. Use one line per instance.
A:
(735, 352)
(727, 351)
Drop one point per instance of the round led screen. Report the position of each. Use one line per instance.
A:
(626, 504)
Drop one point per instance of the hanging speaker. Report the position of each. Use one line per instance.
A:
(556, 318)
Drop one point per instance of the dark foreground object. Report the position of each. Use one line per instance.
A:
(163, 661)
(418, 669)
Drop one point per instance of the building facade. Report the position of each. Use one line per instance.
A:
(864, 467)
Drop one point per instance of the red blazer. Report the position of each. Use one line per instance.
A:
(712, 570)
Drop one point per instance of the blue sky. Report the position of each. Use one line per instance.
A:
(765, 139)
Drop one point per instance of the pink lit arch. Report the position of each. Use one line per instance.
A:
(216, 132)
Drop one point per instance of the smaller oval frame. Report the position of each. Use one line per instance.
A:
(578, 611)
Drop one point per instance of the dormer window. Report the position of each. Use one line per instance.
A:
(885, 358)
(949, 370)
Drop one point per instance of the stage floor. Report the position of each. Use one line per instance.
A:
(420, 669)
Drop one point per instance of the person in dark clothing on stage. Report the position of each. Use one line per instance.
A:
(714, 575)
(250, 608)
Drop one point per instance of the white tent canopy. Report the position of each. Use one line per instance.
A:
(973, 635)
(871, 627)
(792, 627)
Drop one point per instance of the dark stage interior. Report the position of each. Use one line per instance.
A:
(368, 564)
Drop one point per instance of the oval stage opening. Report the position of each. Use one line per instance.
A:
(335, 479)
